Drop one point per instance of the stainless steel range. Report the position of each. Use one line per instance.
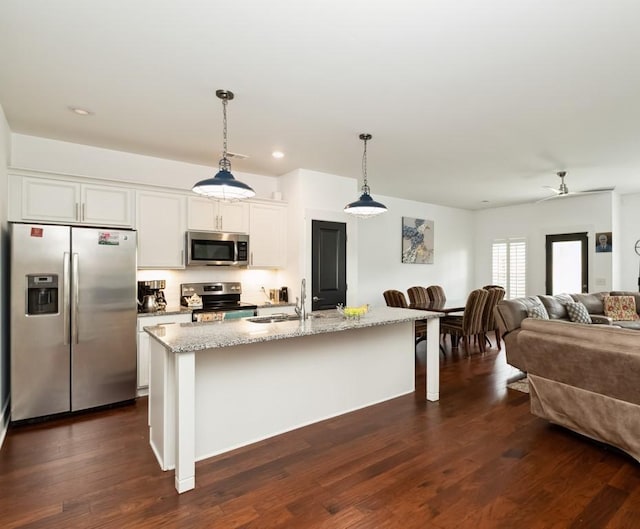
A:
(215, 301)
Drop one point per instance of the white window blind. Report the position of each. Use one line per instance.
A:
(509, 266)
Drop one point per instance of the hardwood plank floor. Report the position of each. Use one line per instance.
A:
(476, 459)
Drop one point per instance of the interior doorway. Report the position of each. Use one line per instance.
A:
(328, 264)
(567, 269)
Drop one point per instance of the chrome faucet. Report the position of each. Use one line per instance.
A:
(300, 302)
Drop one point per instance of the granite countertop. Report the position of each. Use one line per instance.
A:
(179, 309)
(187, 337)
(168, 311)
(265, 305)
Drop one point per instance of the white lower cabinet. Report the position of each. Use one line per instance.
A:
(143, 343)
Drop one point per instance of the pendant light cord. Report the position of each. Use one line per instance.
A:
(365, 186)
(225, 164)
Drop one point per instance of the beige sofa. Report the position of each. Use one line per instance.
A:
(510, 314)
(585, 378)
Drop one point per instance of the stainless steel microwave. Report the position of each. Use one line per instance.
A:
(208, 248)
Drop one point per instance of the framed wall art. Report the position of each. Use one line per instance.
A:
(417, 241)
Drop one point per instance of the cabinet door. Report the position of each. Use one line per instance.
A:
(233, 216)
(267, 235)
(143, 360)
(50, 200)
(161, 222)
(213, 215)
(106, 206)
(202, 214)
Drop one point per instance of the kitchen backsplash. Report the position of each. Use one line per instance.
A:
(252, 281)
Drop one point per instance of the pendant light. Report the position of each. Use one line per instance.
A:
(223, 185)
(365, 206)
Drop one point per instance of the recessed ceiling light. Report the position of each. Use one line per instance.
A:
(81, 111)
(277, 154)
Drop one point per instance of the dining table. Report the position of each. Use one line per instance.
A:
(445, 306)
(448, 307)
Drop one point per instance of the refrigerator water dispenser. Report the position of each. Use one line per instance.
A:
(42, 294)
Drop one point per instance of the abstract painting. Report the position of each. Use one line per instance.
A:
(417, 241)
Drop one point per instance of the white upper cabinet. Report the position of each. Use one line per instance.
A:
(103, 205)
(212, 215)
(53, 200)
(161, 223)
(267, 235)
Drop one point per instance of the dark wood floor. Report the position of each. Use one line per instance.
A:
(476, 459)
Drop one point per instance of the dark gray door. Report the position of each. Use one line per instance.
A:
(329, 264)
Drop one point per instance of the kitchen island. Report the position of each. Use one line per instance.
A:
(218, 386)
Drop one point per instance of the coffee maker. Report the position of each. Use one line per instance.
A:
(151, 295)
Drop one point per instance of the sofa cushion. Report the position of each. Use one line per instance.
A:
(578, 313)
(539, 313)
(636, 295)
(555, 305)
(621, 308)
(593, 302)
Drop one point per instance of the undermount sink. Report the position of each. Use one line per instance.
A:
(274, 318)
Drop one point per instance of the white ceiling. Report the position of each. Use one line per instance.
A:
(466, 101)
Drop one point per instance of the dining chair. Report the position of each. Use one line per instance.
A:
(488, 319)
(395, 298)
(436, 293)
(469, 325)
(418, 297)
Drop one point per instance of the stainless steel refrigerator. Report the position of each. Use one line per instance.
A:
(73, 318)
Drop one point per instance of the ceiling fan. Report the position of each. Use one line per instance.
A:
(563, 190)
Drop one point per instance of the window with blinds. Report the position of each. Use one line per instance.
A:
(509, 266)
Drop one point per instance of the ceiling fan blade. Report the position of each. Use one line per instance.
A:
(596, 190)
(552, 197)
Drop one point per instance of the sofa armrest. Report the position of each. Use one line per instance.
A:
(601, 319)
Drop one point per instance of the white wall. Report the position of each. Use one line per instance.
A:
(374, 245)
(313, 195)
(42, 154)
(630, 228)
(380, 251)
(586, 213)
(5, 150)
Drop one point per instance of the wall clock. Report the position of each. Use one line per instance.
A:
(637, 247)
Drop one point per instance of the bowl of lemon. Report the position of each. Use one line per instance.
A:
(352, 313)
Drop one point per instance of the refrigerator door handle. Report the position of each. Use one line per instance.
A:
(76, 297)
(65, 295)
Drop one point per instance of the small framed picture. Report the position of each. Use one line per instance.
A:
(604, 243)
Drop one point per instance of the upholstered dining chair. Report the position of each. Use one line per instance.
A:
(488, 319)
(469, 325)
(418, 296)
(395, 298)
(436, 293)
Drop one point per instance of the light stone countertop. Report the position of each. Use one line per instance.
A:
(169, 311)
(187, 337)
